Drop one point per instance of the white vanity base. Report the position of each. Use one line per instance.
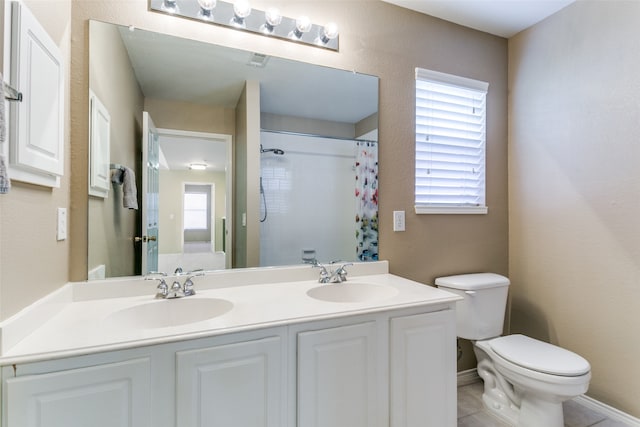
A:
(271, 361)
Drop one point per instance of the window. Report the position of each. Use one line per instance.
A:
(450, 143)
(196, 211)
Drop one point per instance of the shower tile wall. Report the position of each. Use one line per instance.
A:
(309, 195)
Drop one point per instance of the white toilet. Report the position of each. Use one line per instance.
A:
(525, 380)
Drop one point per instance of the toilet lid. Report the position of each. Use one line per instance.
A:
(539, 356)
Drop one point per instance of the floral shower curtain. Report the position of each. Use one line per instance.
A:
(367, 200)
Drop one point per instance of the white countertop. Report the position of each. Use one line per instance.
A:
(79, 321)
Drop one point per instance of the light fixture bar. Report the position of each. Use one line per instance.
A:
(257, 22)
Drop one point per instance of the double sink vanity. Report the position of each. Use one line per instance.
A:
(252, 347)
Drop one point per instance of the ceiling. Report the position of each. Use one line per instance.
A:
(503, 18)
(174, 68)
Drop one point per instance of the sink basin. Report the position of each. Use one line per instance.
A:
(351, 292)
(164, 313)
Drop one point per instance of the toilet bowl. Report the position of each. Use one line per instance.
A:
(525, 380)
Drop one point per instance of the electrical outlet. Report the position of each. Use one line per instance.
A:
(398, 220)
(62, 224)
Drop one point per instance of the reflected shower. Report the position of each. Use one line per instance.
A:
(264, 200)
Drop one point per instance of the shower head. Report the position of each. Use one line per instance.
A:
(271, 150)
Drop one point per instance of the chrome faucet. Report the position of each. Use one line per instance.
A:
(176, 290)
(328, 275)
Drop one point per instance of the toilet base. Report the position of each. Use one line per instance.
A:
(532, 412)
(535, 412)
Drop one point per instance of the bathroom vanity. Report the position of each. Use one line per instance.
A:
(280, 350)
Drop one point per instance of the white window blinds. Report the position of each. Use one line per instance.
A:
(450, 143)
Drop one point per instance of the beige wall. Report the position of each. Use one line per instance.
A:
(176, 115)
(32, 262)
(246, 237)
(277, 122)
(574, 182)
(112, 79)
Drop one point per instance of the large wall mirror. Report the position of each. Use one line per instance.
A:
(234, 159)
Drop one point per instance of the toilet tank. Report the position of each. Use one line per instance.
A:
(480, 314)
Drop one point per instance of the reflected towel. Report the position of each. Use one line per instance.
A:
(5, 182)
(129, 190)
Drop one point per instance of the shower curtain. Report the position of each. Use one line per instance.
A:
(367, 200)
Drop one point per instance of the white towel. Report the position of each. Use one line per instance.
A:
(129, 190)
(5, 182)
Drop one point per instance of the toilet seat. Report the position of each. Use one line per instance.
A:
(539, 356)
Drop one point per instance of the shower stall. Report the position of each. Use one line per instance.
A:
(310, 184)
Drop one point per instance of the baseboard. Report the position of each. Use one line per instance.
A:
(470, 376)
(467, 377)
(609, 411)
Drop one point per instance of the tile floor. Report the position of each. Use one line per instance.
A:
(471, 412)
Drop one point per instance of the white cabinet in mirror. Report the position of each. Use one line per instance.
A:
(289, 152)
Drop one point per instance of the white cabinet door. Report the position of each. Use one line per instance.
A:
(234, 385)
(37, 131)
(110, 395)
(423, 370)
(338, 377)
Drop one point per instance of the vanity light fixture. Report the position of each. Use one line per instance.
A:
(241, 10)
(206, 9)
(197, 166)
(239, 15)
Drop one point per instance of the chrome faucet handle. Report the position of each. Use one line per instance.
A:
(163, 288)
(325, 276)
(341, 272)
(187, 287)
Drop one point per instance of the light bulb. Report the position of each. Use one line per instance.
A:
(207, 4)
(303, 25)
(272, 19)
(328, 33)
(241, 9)
(331, 30)
(206, 9)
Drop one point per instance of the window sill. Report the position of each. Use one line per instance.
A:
(456, 210)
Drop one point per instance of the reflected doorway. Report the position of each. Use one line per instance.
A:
(195, 200)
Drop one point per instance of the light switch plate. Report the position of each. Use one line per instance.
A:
(398, 220)
(62, 224)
